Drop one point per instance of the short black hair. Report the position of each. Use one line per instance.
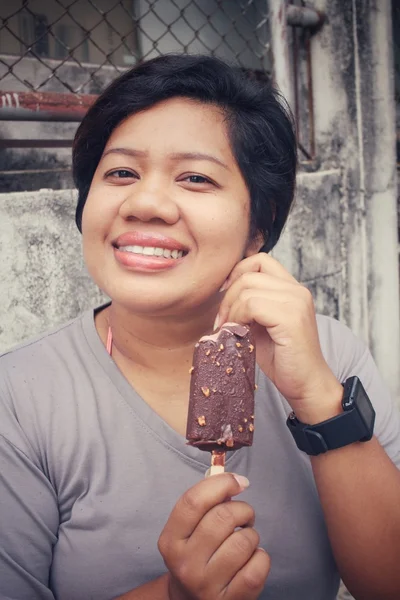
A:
(260, 127)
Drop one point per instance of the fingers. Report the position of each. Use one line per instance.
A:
(243, 279)
(250, 578)
(258, 308)
(259, 263)
(265, 300)
(209, 544)
(217, 525)
(232, 555)
(198, 500)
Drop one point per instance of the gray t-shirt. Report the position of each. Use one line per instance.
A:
(89, 473)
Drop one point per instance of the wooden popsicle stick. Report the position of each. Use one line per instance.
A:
(217, 463)
(215, 470)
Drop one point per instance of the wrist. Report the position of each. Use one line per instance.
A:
(321, 430)
(175, 591)
(324, 404)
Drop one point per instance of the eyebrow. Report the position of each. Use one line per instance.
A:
(176, 156)
(198, 156)
(126, 151)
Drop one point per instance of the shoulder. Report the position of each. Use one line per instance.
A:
(36, 365)
(38, 343)
(342, 349)
(26, 368)
(39, 378)
(47, 360)
(57, 346)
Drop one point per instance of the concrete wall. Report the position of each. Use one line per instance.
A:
(350, 258)
(42, 275)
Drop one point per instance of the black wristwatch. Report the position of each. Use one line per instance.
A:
(354, 424)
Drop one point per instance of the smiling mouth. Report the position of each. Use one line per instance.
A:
(158, 252)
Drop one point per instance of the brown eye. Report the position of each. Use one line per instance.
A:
(121, 174)
(197, 179)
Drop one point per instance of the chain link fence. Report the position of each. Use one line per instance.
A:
(57, 55)
(76, 46)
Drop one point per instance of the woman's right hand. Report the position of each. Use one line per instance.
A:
(208, 558)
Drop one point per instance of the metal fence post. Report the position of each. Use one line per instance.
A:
(282, 67)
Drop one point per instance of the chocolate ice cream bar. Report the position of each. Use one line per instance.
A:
(221, 405)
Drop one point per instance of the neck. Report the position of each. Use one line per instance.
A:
(154, 342)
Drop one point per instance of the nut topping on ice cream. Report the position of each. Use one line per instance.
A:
(222, 391)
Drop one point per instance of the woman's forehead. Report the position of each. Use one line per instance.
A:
(180, 127)
(180, 115)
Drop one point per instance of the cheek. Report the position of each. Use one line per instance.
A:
(227, 226)
(97, 213)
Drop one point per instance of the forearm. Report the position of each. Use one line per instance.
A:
(359, 489)
(154, 590)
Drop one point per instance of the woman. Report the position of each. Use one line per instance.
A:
(185, 171)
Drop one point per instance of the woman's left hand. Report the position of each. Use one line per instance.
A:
(262, 294)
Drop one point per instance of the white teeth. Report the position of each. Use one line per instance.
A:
(152, 251)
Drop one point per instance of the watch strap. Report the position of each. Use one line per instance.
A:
(334, 433)
(350, 426)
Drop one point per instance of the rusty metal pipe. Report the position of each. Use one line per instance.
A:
(34, 143)
(310, 98)
(280, 34)
(44, 106)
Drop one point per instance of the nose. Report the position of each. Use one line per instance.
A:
(148, 202)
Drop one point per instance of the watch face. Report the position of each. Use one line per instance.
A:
(365, 408)
(357, 401)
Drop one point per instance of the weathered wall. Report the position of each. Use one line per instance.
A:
(43, 279)
(352, 262)
(310, 245)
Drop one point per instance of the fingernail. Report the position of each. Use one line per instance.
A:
(216, 323)
(223, 286)
(242, 481)
(260, 548)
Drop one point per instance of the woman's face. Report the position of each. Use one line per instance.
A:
(167, 215)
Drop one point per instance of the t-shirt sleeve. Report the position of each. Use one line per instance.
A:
(28, 512)
(349, 356)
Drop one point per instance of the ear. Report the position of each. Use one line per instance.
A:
(254, 245)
